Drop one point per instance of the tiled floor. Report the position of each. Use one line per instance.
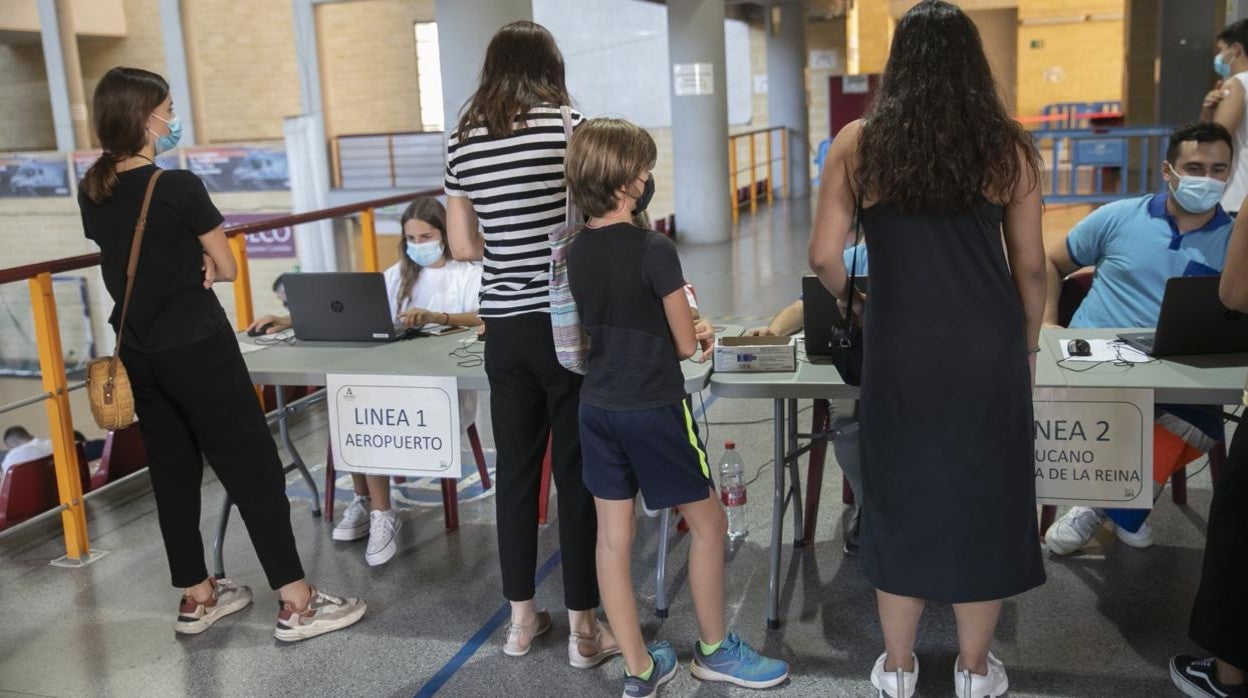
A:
(1103, 625)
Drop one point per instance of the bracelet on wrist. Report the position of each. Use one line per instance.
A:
(1033, 351)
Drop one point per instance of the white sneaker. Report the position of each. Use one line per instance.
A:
(968, 685)
(382, 538)
(354, 522)
(324, 613)
(1142, 538)
(894, 684)
(1074, 530)
(227, 598)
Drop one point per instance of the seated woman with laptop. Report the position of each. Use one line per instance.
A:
(426, 287)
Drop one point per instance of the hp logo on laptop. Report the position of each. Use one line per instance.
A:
(336, 306)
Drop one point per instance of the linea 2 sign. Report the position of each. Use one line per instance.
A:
(406, 426)
(1094, 447)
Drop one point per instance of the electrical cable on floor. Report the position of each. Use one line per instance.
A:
(759, 473)
(765, 420)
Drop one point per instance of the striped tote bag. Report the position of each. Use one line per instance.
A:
(571, 341)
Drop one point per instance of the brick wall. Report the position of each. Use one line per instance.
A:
(368, 64)
(868, 34)
(142, 47)
(26, 108)
(1077, 58)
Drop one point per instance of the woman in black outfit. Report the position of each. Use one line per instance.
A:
(192, 393)
(944, 176)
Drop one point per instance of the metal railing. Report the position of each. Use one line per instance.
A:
(1097, 166)
(763, 186)
(56, 386)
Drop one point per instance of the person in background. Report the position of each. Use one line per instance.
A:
(1136, 245)
(426, 287)
(504, 213)
(636, 428)
(1220, 612)
(92, 448)
(279, 288)
(23, 448)
(1227, 105)
(844, 425)
(190, 383)
(950, 196)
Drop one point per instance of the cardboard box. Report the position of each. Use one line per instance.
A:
(756, 354)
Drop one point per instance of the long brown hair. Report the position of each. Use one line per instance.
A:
(523, 69)
(937, 137)
(431, 211)
(123, 100)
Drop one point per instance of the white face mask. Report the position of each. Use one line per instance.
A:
(425, 253)
(1196, 194)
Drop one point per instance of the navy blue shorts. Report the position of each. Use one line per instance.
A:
(657, 451)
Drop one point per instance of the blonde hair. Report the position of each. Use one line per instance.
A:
(605, 155)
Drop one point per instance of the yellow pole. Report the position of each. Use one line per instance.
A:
(771, 168)
(242, 283)
(368, 238)
(732, 178)
(60, 419)
(753, 178)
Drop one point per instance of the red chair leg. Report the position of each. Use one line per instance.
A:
(543, 502)
(1178, 486)
(820, 423)
(474, 440)
(1217, 459)
(329, 482)
(450, 503)
(1048, 514)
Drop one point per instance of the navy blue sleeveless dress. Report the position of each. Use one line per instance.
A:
(948, 510)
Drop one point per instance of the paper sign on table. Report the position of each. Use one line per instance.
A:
(406, 426)
(1094, 447)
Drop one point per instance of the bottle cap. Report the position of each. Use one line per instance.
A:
(730, 445)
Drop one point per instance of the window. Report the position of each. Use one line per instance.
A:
(429, 76)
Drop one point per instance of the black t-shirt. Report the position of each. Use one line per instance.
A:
(169, 306)
(619, 276)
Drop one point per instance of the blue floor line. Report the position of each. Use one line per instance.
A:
(478, 638)
(705, 404)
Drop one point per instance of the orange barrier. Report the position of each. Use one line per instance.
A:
(736, 201)
(51, 358)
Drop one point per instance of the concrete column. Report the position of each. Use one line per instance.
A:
(786, 92)
(175, 67)
(307, 151)
(695, 43)
(464, 31)
(60, 64)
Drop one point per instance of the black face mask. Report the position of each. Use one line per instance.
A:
(647, 193)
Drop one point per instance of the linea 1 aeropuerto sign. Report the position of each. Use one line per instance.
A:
(406, 426)
(1094, 447)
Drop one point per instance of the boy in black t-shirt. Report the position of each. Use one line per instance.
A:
(636, 429)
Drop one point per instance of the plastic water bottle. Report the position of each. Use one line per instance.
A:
(732, 490)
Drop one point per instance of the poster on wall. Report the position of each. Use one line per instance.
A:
(34, 175)
(278, 243)
(84, 159)
(254, 167)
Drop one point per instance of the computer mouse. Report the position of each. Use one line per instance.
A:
(1079, 347)
(257, 331)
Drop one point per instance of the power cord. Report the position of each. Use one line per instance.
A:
(468, 357)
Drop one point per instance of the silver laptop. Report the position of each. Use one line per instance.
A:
(342, 307)
(1193, 321)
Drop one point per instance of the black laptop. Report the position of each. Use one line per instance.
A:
(1193, 321)
(820, 313)
(342, 307)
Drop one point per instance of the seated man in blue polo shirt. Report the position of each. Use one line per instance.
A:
(1136, 245)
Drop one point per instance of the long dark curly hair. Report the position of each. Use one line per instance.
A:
(937, 138)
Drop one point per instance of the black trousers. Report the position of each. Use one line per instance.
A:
(196, 401)
(531, 397)
(1220, 614)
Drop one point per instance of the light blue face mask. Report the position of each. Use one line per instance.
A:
(425, 253)
(170, 141)
(1221, 67)
(1198, 194)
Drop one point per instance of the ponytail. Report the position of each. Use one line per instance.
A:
(101, 179)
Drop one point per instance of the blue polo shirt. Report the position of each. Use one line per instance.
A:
(1136, 247)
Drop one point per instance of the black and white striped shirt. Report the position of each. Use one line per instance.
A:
(517, 188)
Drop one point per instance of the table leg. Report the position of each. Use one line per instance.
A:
(794, 494)
(660, 565)
(777, 520)
(284, 432)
